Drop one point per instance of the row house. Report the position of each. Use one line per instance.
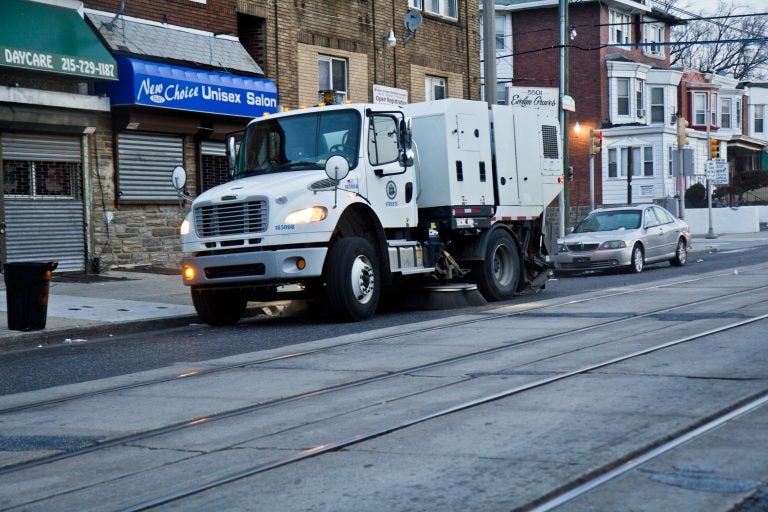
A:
(101, 99)
(620, 77)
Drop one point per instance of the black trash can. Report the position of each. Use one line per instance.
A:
(26, 292)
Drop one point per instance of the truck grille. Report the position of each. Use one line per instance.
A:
(231, 218)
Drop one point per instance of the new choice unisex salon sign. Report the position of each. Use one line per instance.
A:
(161, 85)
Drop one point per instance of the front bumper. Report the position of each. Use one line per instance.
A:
(592, 260)
(259, 267)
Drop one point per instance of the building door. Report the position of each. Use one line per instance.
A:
(42, 208)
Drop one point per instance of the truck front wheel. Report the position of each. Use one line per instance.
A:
(353, 279)
(219, 307)
(497, 276)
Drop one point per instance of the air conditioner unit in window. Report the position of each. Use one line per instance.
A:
(641, 112)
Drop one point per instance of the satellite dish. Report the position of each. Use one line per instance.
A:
(412, 20)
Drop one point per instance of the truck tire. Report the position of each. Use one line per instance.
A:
(219, 307)
(353, 279)
(498, 275)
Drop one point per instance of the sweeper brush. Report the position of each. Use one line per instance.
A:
(436, 297)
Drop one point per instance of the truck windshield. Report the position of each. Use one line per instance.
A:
(299, 142)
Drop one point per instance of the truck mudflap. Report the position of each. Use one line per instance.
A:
(284, 265)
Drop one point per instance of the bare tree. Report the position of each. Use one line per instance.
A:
(730, 43)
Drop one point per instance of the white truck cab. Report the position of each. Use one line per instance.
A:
(343, 200)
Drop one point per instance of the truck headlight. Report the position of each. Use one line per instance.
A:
(184, 229)
(307, 215)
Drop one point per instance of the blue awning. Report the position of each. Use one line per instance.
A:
(174, 87)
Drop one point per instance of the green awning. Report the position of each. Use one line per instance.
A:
(52, 39)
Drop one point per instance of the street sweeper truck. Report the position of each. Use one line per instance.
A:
(338, 204)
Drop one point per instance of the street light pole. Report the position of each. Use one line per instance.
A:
(563, 198)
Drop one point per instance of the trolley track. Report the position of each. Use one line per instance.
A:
(630, 461)
(208, 419)
(340, 444)
(487, 317)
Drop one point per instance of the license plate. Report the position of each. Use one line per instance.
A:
(581, 260)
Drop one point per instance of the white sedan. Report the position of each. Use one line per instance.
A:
(624, 237)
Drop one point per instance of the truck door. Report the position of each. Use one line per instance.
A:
(390, 188)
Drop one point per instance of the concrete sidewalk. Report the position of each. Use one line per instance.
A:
(82, 307)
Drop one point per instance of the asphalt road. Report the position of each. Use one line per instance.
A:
(120, 355)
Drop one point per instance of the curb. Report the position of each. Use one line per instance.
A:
(57, 335)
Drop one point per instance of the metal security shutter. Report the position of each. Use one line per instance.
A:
(41, 148)
(213, 148)
(41, 226)
(46, 231)
(145, 163)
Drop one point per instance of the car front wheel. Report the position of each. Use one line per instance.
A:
(638, 260)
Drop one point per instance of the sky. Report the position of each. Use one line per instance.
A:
(711, 5)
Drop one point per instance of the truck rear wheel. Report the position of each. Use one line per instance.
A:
(219, 307)
(353, 279)
(498, 275)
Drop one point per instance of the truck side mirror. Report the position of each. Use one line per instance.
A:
(406, 133)
(337, 168)
(231, 155)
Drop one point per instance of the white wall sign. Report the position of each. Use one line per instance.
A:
(542, 98)
(384, 95)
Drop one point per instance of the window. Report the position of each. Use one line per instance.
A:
(713, 109)
(446, 8)
(725, 113)
(648, 161)
(382, 140)
(501, 41)
(501, 93)
(699, 108)
(612, 164)
(620, 28)
(434, 88)
(332, 76)
(622, 95)
(759, 118)
(657, 105)
(739, 114)
(654, 37)
(640, 86)
(642, 161)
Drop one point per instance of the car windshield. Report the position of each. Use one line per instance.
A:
(609, 221)
(298, 142)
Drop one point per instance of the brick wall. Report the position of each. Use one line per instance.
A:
(536, 39)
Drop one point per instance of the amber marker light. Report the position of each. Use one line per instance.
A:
(301, 263)
(189, 273)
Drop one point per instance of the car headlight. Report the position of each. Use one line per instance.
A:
(184, 229)
(612, 244)
(561, 247)
(307, 215)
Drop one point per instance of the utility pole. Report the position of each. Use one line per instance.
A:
(563, 117)
(682, 140)
(629, 175)
(489, 51)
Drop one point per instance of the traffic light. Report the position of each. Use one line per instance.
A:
(682, 133)
(595, 141)
(714, 148)
(569, 173)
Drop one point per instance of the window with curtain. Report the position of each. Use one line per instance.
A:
(332, 76)
(622, 96)
(657, 105)
(700, 108)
